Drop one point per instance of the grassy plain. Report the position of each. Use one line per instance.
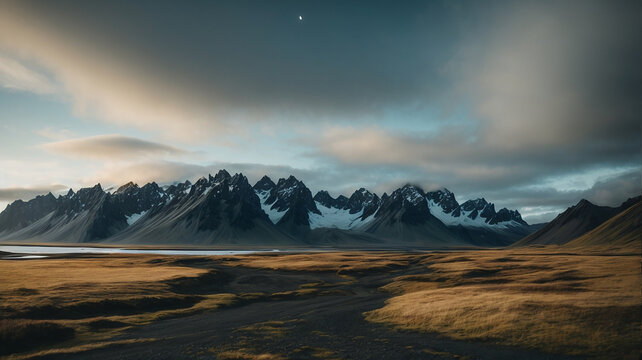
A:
(561, 303)
(551, 301)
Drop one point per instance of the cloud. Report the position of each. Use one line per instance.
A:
(98, 79)
(114, 174)
(450, 157)
(112, 147)
(342, 181)
(156, 81)
(55, 134)
(555, 75)
(27, 193)
(16, 76)
(544, 203)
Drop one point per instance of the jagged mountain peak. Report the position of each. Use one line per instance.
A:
(479, 204)
(237, 177)
(406, 205)
(200, 186)
(505, 215)
(479, 208)
(291, 181)
(151, 185)
(221, 175)
(289, 203)
(90, 191)
(324, 198)
(284, 187)
(409, 193)
(445, 199)
(125, 187)
(239, 181)
(363, 199)
(265, 184)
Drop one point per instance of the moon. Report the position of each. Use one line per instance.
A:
(300, 18)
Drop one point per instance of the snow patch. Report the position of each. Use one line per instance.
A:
(336, 218)
(463, 218)
(274, 215)
(134, 217)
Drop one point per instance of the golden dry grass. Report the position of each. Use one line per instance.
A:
(340, 262)
(243, 354)
(96, 297)
(78, 348)
(269, 329)
(67, 281)
(573, 304)
(316, 352)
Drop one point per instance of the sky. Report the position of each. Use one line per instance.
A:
(532, 105)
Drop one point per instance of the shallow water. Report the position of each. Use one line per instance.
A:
(50, 250)
(23, 257)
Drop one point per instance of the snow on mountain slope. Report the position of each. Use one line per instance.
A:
(465, 218)
(135, 217)
(336, 218)
(476, 213)
(274, 214)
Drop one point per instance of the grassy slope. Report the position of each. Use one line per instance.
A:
(622, 233)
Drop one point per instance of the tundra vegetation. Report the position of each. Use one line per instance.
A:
(552, 300)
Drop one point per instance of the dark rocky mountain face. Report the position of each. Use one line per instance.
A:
(265, 184)
(290, 192)
(293, 197)
(131, 199)
(323, 197)
(505, 214)
(363, 199)
(446, 200)
(406, 205)
(177, 191)
(228, 199)
(104, 214)
(20, 214)
(84, 199)
(479, 207)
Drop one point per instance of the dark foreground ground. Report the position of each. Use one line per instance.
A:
(271, 314)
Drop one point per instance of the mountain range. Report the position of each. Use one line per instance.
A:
(225, 209)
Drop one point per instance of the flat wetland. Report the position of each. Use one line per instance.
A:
(517, 303)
